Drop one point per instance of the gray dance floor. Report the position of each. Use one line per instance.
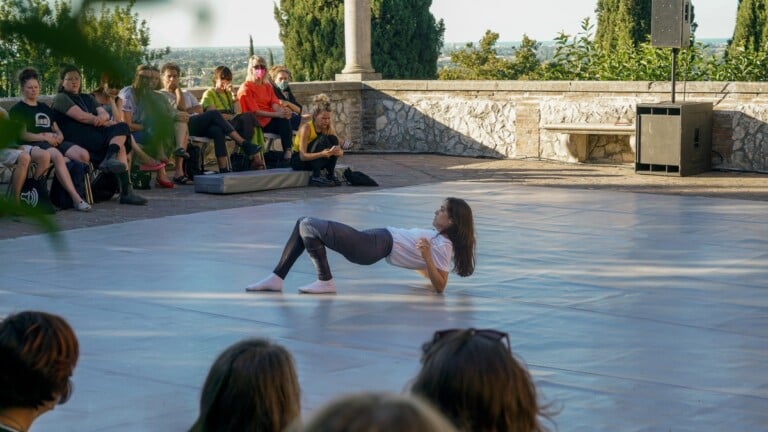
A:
(634, 312)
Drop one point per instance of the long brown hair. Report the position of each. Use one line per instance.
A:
(252, 386)
(38, 353)
(478, 384)
(461, 232)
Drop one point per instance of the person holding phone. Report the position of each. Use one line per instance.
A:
(316, 146)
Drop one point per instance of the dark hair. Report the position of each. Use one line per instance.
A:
(366, 412)
(38, 353)
(27, 74)
(170, 66)
(63, 71)
(222, 72)
(461, 232)
(478, 384)
(251, 386)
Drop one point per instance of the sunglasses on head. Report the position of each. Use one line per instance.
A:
(259, 66)
(491, 334)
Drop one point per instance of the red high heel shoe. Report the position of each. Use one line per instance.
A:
(164, 184)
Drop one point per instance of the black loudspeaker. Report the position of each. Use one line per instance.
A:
(671, 23)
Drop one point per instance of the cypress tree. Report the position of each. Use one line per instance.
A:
(749, 34)
(622, 23)
(405, 38)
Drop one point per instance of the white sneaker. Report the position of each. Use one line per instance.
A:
(83, 206)
(272, 282)
(319, 287)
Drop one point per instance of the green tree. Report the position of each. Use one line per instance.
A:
(484, 63)
(405, 38)
(622, 22)
(36, 33)
(750, 34)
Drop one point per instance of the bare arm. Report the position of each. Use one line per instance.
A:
(437, 277)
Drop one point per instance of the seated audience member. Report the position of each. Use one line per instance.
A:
(16, 158)
(38, 354)
(473, 378)
(280, 78)
(45, 139)
(373, 412)
(151, 118)
(316, 146)
(106, 95)
(256, 96)
(86, 123)
(209, 123)
(252, 386)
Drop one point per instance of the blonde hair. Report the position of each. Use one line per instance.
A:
(320, 103)
(276, 69)
(252, 61)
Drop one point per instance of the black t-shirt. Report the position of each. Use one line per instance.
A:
(36, 119)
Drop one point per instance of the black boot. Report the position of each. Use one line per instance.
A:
(110, 162)
(126, 191)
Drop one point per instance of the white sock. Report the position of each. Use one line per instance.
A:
(319, 287)
(272, 282)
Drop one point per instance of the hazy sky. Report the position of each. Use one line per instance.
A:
(175, 22)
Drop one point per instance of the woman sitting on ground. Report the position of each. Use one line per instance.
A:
(316, 146)
(88, 124)
(252, 386)
(45, 139)
(38, 354)
(220, 98)
(429, 252)
(473, 378)
(256, 96)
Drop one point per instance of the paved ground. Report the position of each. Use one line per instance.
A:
(396, 170)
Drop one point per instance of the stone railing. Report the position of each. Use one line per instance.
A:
(512, 119)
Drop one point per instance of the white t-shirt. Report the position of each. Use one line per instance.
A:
(190, 101)
(405, 254)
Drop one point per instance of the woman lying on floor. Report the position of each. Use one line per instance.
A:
(427, 251)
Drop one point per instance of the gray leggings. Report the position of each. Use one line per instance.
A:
(314, 235)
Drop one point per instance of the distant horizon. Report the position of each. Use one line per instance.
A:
(705, 40)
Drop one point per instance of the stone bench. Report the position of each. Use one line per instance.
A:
(577, 133)
(253, 181)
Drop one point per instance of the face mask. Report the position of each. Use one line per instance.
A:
(259, 73)
(282, 85)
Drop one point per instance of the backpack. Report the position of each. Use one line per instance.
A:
(357, 178)
(104, 187)
(78, 172)
(34, 194)
(193, 166)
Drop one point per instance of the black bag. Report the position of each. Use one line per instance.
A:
(34, 193)
(193, 166)
(240, 161)
(104, 187)
(140, 179)
(78, 172)
(357, 178)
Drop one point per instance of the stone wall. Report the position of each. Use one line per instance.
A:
(505, 119)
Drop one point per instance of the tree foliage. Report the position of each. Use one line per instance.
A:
(483, 62)
(43, 35)
(405, 38)
(622, 23)
(751, 32)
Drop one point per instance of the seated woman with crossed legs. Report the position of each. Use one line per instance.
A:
(316, 147)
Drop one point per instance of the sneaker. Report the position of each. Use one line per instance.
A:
(320, 181)
(272, 282)
(113, 166)
(319, 287)
(83, 206)
(335, 180)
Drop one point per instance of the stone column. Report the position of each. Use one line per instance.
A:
(357, 42)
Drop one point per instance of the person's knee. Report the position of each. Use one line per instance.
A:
(23, 161)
